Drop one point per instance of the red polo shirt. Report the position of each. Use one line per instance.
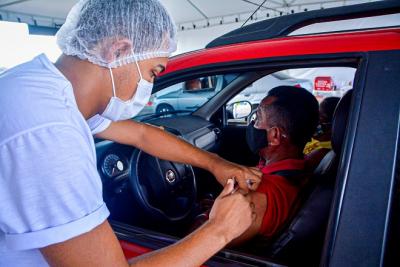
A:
(280, 192)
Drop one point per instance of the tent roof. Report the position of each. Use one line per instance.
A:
(50, 13)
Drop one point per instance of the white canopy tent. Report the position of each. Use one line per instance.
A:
(198, 21)
(188, 14)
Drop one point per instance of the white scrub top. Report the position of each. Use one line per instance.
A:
(50, 190)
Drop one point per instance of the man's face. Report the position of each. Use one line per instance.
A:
(151, 68)
(127, 77)
(323, 117)
(262, 121)
(274, 134)
(324, 131)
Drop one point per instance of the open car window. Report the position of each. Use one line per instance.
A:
(323, 82)
(185, 97)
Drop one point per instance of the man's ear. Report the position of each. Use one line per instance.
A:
(275, 136)
(119, 49)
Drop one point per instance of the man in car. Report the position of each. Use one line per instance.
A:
(322, 137)
(286, 119)
(194, 84)
(51, 206)
(321, 144)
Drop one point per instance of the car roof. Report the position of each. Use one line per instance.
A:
(326, 43)
(283, 26)
(269, 38)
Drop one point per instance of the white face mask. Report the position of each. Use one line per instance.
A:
(118, 109)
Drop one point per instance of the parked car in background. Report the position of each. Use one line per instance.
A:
(181, 98)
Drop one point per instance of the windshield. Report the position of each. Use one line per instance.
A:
(185, 97)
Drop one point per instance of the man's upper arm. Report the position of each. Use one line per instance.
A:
(260, 204)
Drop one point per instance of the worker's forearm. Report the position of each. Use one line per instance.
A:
(181, 150)
(159, 143)
(166, 146)
(193, 250)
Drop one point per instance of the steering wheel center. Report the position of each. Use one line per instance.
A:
(166, 191)
(170, 176)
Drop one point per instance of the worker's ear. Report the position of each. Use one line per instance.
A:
(118, 49)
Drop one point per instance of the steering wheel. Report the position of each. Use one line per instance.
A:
(165, 190)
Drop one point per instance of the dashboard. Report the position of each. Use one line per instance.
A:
(113, 165)
(113, 161)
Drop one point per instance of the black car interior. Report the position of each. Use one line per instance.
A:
(142, 194)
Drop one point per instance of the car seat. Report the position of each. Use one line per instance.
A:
(314, 158)
(301, 241)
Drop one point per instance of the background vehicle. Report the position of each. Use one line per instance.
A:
(177, 97)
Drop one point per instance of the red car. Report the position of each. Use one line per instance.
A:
(350, 216)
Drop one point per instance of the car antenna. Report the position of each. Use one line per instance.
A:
(253, 13)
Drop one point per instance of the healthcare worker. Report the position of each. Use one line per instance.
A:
(51, 206)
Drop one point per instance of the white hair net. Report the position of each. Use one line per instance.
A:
(92, 28)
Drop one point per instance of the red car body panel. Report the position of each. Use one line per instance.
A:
(132, 250)
(331, 43)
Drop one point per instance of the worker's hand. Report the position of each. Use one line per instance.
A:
(232, 212)
(248, 178)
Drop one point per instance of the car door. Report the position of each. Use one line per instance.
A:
(362, 229)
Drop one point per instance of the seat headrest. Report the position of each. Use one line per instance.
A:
(339, 121)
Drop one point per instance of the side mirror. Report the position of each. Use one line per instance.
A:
(241, 109)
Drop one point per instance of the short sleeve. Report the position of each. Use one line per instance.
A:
(98, 123)
(50, 190)
(280, 196)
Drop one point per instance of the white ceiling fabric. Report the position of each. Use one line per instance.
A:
(199, 21)
(186, 13)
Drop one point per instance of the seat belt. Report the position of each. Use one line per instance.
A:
(296, 177)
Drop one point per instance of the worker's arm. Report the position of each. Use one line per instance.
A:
(230, 216)
(166, 146)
